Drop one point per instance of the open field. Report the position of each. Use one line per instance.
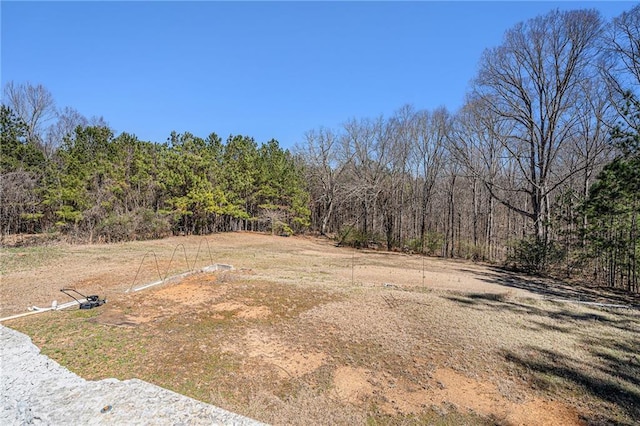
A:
(303, 332)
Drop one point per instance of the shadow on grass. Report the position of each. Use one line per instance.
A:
(623, 319)
(618, 359)
(608, 369)
(626, 319)
(602, 382)
(556, 289)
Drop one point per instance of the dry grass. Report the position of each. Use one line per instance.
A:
(303, 332)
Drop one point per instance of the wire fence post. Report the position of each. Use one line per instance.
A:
(353, 257)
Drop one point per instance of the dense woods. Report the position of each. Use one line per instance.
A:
(99, 187)
(540, 169)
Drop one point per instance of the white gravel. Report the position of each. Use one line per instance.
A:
(34, 389)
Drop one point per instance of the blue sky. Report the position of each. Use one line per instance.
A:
(262, 69)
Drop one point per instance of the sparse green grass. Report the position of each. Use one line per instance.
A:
(89, 349)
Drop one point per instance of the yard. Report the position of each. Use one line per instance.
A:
(304, 332)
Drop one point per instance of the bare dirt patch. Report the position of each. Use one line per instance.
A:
(270, 349)
(486, 399)
(303, 332)
(352, 384)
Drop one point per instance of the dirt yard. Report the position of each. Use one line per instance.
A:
(303, 332)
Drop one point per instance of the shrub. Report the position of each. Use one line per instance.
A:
(352, 237)
(142, 224)
(533, 256)
(432, 244)
(282, 229)
(152, 224)
(116, 228)
(471, 251)
(415, 245)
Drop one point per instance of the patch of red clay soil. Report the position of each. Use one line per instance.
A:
(161, 301)
(240, 310)
(359, 385)
(485, 399)
(352, 384)
(191, 290)
(271, 350)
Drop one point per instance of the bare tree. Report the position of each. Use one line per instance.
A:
(401, 131)
(622, 44)
(369, 151)
(34, 105)
(67, 121)
(453, 172)
(19, 202)
(532, 82)
(589, 150)
(325, 167)
(477, 145)
(622, 65)
(431, 130)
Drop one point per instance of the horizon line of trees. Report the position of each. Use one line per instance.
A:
(98, 187)
(539, 169)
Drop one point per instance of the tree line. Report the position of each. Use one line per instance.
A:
(539, 169)
(99, 187)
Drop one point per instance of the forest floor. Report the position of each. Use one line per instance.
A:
(304, 332)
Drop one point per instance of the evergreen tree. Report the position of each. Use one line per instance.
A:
(614, 206)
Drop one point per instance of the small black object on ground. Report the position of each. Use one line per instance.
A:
(90, 302)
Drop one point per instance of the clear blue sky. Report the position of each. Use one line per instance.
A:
(262, 69)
